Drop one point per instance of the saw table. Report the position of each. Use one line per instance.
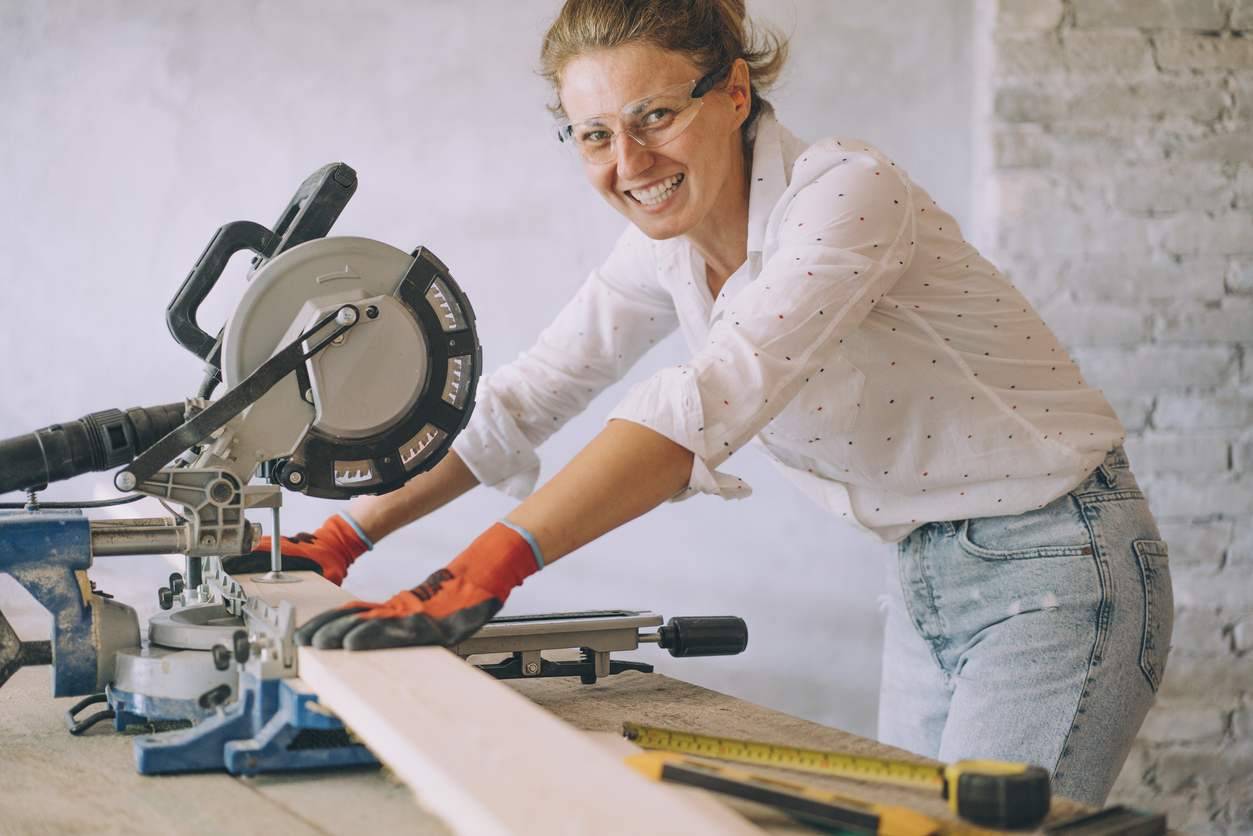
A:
(57, 784)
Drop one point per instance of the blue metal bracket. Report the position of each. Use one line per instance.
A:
(274, 724)
(45, 551)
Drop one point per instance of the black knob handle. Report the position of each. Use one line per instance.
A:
(242, 648)
(165, 597)
(221, 657)
(215, 696)
(704, 635)
(176, 583)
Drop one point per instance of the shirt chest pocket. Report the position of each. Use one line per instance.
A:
(826, 406)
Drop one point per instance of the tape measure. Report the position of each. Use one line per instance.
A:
(992, 793)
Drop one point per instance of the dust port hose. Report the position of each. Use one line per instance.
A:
(99, 441)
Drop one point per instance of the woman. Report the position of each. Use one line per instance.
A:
(837, 319)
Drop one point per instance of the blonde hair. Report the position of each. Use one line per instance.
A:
(710, 33)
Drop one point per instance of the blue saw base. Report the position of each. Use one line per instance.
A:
(275, 724)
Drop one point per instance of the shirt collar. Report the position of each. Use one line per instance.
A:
(767, 183)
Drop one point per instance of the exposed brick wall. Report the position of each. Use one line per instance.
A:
(1116, 181)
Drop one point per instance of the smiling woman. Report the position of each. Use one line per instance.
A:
(838, 321)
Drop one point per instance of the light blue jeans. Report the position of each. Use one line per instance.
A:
(1039, 638)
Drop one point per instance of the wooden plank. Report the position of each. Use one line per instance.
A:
(489, 761)
(314, 593)
(477, 754)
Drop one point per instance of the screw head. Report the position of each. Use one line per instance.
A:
(346, 316)
(372, 312)
(208, 540)
(221, 491)
(532, 668)
(125, 481)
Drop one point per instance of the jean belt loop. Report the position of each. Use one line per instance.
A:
(949, 527)
(1111, 479)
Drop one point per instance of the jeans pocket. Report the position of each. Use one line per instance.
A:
(1159, 608)
(1057, 530)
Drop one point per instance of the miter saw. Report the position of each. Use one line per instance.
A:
(349, 367)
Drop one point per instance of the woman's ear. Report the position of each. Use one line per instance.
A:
(741, 92)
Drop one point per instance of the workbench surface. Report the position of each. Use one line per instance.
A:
(53, 783)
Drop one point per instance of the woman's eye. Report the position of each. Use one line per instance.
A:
(594, 136)
(657, 117)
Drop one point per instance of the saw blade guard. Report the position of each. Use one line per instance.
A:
(383, 401)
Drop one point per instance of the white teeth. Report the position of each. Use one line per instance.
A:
(659, 192)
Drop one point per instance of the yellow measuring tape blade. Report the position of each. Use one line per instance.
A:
(791, 757)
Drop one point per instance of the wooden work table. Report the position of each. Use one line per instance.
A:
(52, 783)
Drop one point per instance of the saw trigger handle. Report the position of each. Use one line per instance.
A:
(180, 316)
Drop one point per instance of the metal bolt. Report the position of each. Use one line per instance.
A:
(532, 668)
(372, 312)
(338, 340)
(309, 395)
(221, 491)
(295, 477)
(346, 316)
(125, 481)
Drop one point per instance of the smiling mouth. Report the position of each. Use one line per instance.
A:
(657, 193)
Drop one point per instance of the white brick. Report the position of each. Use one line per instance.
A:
(1029, 14)
(1193, 51)
(1229, 321)
(1198, 279)
(1241, 551)
(1017, 105)
(1020, 149)
(1240, 276)
(1095, 323)
(1031, 56)
(1184, 722)
(1198, 234)
(1179, 453)
(1242, 635)
(1148, 101)
(1242, 15)
(1182, 412)
(1054, 232)
(1197, 497)
(1242, 456)
(1107, 53)
(1223, 144)
(1200, 632)
(1244, 187)
(1230, 589)
(1150, 14)
(1196, 545)
(1150, 367)
(1158, 188)
(1242, 719)
(1219, 678)
(1133, 412)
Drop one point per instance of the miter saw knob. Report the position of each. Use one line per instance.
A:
(165, 597)
(292, 476)
(213, 698)
(242, 648)
(176, 583)
(710, 635)
(221, 657)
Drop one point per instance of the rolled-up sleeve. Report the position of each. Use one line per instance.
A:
(836, 242)
(619, 313)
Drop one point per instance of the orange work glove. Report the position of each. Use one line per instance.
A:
(446, 609)
(328, 551)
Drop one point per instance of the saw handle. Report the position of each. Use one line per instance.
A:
(180, 316)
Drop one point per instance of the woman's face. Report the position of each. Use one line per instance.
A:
(673, 189)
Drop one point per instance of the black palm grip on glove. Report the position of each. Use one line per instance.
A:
(342, 628)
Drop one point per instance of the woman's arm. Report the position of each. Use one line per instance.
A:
(626, 470)
(379, 516)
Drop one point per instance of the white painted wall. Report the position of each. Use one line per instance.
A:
(130, 130)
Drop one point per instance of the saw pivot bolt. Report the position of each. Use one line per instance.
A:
(221, 657)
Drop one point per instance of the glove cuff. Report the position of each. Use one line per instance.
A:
(497, 561)
(356, 527)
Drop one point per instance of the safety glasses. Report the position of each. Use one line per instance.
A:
(651, 121)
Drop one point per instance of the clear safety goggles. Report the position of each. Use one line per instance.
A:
(651, 121)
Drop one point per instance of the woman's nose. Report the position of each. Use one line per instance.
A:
(632, 157)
